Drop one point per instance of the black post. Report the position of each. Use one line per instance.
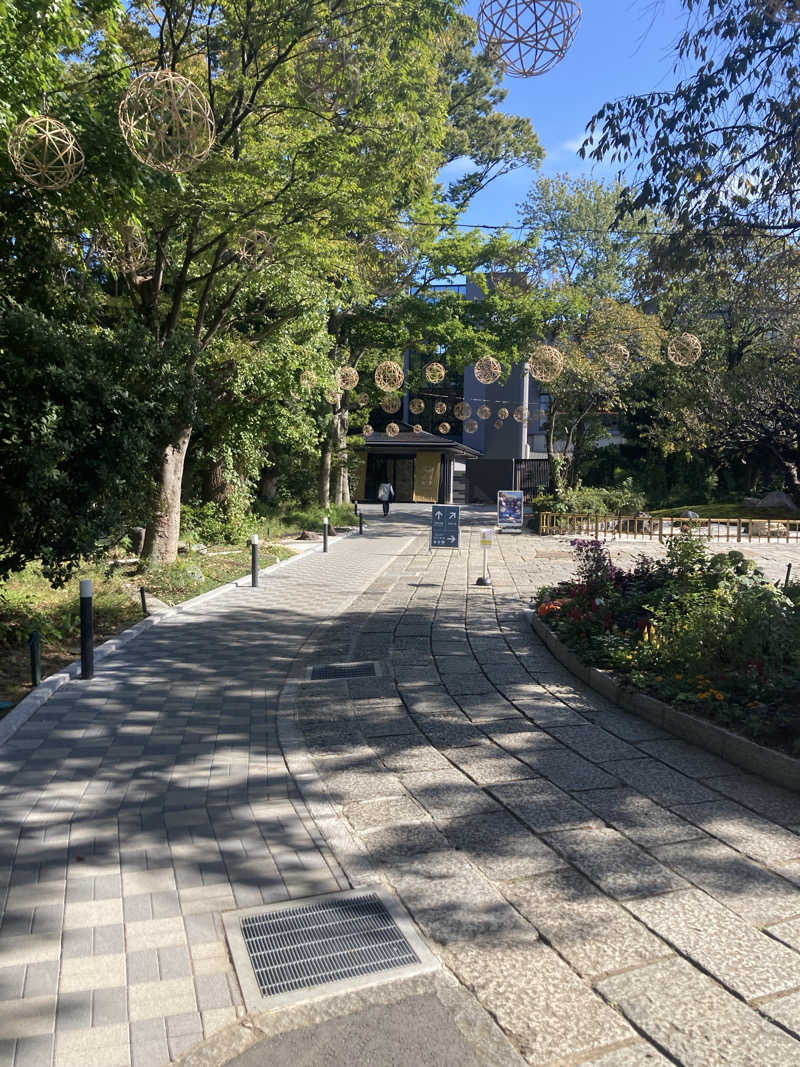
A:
(143, 595)
(35, 642)
(254, 561)
(87, 629)
(788, 574)
(355, 506)
(325, 534)
(360, 524)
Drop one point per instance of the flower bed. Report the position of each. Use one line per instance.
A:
(706, 634)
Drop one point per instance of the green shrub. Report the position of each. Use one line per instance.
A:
(590, 501)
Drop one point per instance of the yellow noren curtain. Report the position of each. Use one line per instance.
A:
(426, 477)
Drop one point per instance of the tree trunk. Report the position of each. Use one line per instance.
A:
(325, 476)
(216, 485)
(161, 541)
(793, 479)
(342, 422)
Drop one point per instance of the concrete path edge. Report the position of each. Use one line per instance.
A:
(38, 696)
(774, 766)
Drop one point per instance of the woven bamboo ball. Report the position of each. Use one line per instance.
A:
(123, 249)
(498, 424)
(389, 376)
(471, 426)
(435, 373)
(348, 378)
(617, 355)
(331, 394)
(444, 427)
(488, 370)
(417, 428)
(45, 153)
(416, 406)
(308, 379)
(521, 413)
(684, 349)
(484, 412)
(362, 399)
(528, 37)
(440, 407)
(167, 122)
(255, 248)
(368, 431)
(392, 430)
(502, 413)
(546, 363)
(325, 75)
(783, 10)
(462, 410)
(391, 404)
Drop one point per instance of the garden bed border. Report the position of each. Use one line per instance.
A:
(775, 766)
(31, 703)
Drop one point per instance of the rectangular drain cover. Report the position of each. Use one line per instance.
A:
(339, 941)
(342, 670)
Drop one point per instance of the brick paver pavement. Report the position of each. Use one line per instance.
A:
(610, 895)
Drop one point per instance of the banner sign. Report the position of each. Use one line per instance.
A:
(510, 509)
(445, 526)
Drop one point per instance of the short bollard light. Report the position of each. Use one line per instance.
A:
(143, 598)
(35, 642)
(361, 524)
(254, 561)
(355, 506)
(325, 524)
(487, 541)
(87, 629)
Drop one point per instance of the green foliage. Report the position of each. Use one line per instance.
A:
(623, 499)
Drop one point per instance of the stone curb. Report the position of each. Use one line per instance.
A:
(30, 704)
(774, 766)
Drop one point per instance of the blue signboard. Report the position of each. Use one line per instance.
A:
(445, 528)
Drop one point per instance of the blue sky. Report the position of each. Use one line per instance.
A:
(622, 47)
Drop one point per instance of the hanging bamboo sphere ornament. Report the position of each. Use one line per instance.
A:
(308, 379)
(521, 413)
(502, 413)
(389, 376)
(684, 349)
(417, 428)
(546, 363)
(488, 370)
(462, 410)
(167, 122)
(332, 395)
(362, 399)
(498, 424)
(617, 355)
(391, 404)
(348, 378)
(444, 427)
(255, 248)
(416, 406)
(440, 407)
(471, 426)
(45, 153)
(484, 412)
(123, 249)
(392, 430)
(528, 37)
(435, 373)
(368, 431)
(783, 10)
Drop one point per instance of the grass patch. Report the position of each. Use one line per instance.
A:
(28, 602)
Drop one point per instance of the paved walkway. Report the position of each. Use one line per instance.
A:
(609, 895)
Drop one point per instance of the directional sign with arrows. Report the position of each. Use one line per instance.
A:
(445, 526)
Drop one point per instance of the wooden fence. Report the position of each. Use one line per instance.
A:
(645, 528)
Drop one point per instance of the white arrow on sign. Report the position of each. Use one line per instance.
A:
(437, 514)
(451, 539)
(453, 515)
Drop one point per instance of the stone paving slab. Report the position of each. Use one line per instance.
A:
(694, 1020)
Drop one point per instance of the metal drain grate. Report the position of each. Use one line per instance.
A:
(314, 944)
(343, 670)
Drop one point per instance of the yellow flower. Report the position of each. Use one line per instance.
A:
(719, 696)
(703, 696)
(660, 678)
(678, 677)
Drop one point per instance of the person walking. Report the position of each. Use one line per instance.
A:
(386, 496)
